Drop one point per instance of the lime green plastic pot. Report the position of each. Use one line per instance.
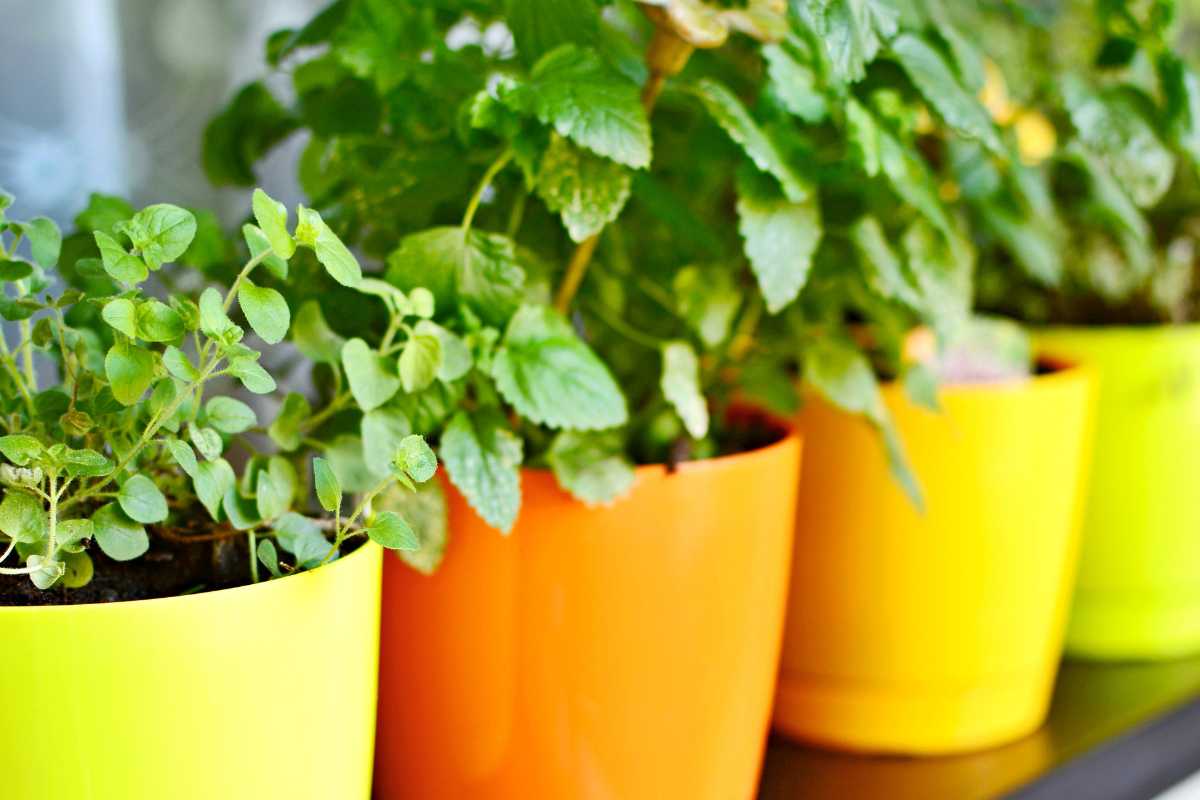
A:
(1138, 595)
(265, 691)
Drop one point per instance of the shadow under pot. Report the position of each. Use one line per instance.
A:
(939, 631)
(626, 651)
(1138, 594)
(260, 691)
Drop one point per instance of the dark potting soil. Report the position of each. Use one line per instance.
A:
(743, 431)
(168, 568)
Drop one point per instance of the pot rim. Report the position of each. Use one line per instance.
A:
(321, 573)
(1063, 370)
(1146, 329)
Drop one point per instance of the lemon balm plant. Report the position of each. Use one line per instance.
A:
(129, 439)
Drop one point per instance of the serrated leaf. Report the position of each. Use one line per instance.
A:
(933, 77)
(795, 83)
(680, 384)
(383, 429)
(852, 32)
(781, 238)
(265, 310)
(388, 529)
(329, 490)
(118, 262)
(587, 191)
(426, 512)
(577, 93)
(141, 500)
(885, 273)
(479, 269)
(119, 537)
(373, 380)
(731, 115)
(272, 218)
(539, 26)
(551, 377)
(130, 371)
(591, 466)
(334, 256)
(313, 337)
(483, 459)
(229, 415)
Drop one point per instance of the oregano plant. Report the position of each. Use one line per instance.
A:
(117, 426)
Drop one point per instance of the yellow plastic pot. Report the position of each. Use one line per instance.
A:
(937, 632)
(1138, 595)
(265, 691)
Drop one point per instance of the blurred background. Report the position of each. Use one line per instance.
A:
(113, 96)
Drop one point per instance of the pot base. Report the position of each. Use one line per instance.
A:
(925, 720)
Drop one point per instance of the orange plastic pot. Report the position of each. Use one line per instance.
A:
(935, 632)
(625, 652)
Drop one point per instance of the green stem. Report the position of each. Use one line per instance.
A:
(253, 556)
(620, 326)
(246, 270)
(14, 373)
(497, 165)
(335, 405)
(52, 538)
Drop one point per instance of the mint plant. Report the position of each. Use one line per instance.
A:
(130, 438)
(1098, 225)
(625, 217)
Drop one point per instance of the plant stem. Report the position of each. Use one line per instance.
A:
(14, 373)
(620, 326)
(253, 556)
(666, 56)
(52, 538)
(246, 270)
(473, 206)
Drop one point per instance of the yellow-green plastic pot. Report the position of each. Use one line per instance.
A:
(1138, 595)
(265, 691)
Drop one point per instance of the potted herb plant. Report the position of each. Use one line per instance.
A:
(157, 643)
(1094, 243)
(602, 575)
(919, 619)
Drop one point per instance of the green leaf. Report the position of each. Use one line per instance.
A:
(313, 336)
(389, 530)
(591, 466)
(729, 112)
(551, 377)
(383, 429)
(84, 463)
(415, 458)
(483, 459)
(20, 448)
(420, 359)
(158, 322)
(79, 569)
(885, 273)
(425, 510)
(372, 378)
(179, 365)
(244, 132)
(587, 101)
(242, 512)
(921, 384)
(71, 532)
(286, 430)
(184, 456)
(265, 310)
(229, 415)
(1181, 89)
(119, 537)
(345, 456)
(162, 233)
(141, 500)
(14, 270)
(118, 262)
(256, 242)
(268, 557)
(781, 237)
(479, 269)
(214, 321)
(45, 570)
(910, 178)
(206, 441)
(680, 384)
(944, 280)
(933, 77)
(708, 299)
(121, 314)
(22, 517)
(272, 218)
(586, 190)
(335, 257)
(130, 371)
(852, 32)
(539, 26)
(795, 83)
(212, 481)
(863, 137)
(252, 375)
(302, 538)
(45, 240)
(103, 212)
(1113, 126)
(271, 497)
(329, 490)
